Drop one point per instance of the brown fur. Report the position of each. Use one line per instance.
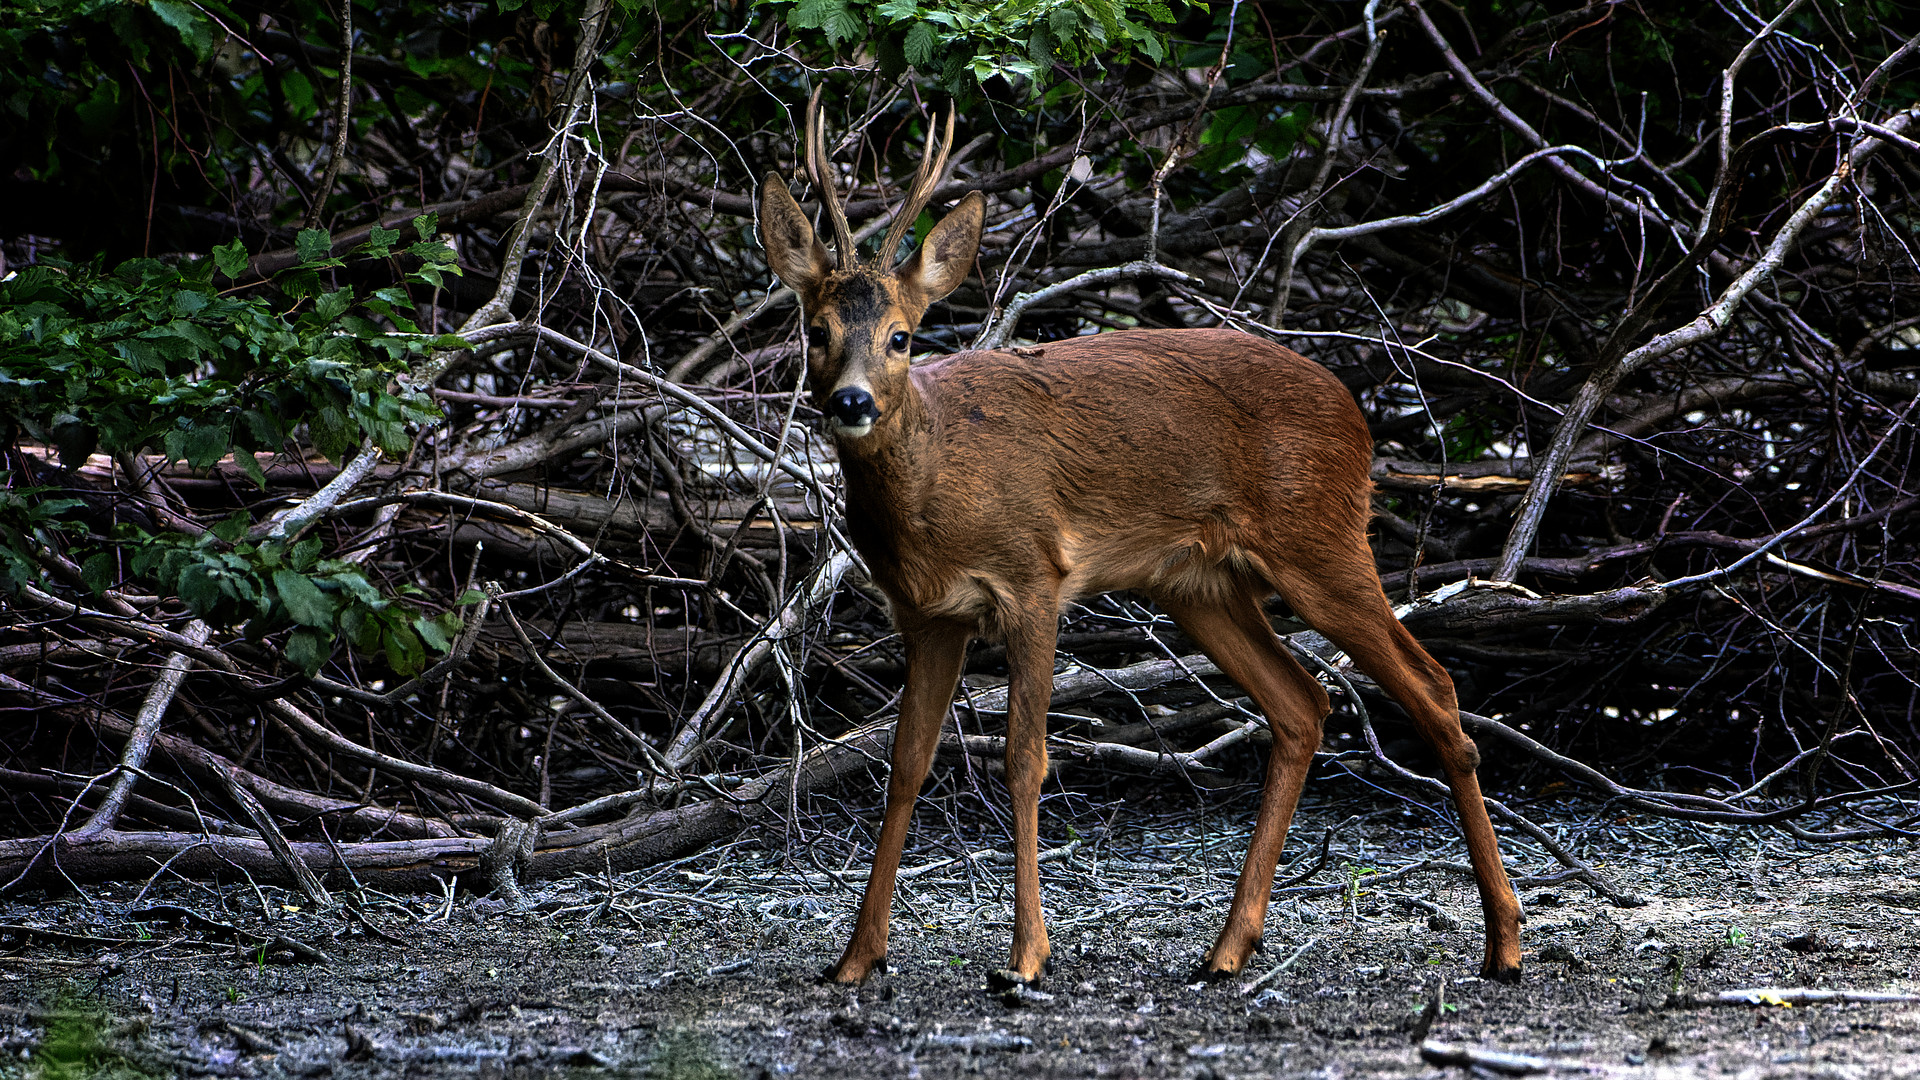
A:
(1207, 469)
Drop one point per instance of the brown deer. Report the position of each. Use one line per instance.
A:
(1207, 469)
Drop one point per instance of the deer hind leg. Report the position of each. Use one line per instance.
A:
(934, 655)
(1346, 605)
(1238, 638)
(1031, 639)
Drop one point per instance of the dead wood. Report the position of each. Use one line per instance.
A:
(1499, 267)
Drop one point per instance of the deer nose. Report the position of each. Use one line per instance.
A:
(852, 407)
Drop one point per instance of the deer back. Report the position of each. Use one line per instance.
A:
(1147, 459)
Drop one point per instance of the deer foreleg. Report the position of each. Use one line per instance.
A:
(934, 657)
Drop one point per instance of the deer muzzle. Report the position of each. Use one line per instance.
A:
(851, 411)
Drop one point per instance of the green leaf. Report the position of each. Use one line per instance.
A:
(100, 571)
(920, 44)
(250, 465)
(313, 245)
(99, 111)
(231, 258)
(333, 433)
(331, 306)
(187, 21)
(233, 527)
(380, 241)
(304, 600)
(832, 16)
(206, 444)
(301, 100)
(200, 589)
(307, 650)
(430, 632)
(427, 226)
(403, 650)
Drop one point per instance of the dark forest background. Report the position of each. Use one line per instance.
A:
(403, 441)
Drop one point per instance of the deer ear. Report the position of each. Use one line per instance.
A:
(946, 257)
(793, 252)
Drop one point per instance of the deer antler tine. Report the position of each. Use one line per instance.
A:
(816, 140)
(925, 180)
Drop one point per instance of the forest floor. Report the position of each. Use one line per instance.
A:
(706, 968)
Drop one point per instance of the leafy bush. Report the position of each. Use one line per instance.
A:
(154, 355)
(964, 42)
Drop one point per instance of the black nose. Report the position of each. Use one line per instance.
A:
(852, 406)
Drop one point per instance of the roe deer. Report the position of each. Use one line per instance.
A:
(1207, 469)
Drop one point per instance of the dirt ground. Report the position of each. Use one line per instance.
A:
(706, 968)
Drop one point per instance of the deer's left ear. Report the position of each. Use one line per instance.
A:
(946, 257)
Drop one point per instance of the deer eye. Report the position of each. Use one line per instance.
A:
(900, 340)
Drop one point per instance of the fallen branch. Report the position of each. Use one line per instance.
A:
(1787, 997)
(1495, 1061)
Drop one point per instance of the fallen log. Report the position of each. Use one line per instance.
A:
(642, 838)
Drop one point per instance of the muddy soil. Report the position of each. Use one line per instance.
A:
(706, 969)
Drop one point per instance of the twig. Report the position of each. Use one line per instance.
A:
(1647, 205)
(998, 330)
(1278, 969)
(1494, 1061)
(146, 723)
(342, 120)
(1292, 243)
(1766, 549)
(296, 867)
(653, 756)
(703, 725)
(1706, 325)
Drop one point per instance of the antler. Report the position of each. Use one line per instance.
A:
(924, 181)
(823, 180)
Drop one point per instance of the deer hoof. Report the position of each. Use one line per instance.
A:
(1500, 972)
(849, 973)
(1008, 979)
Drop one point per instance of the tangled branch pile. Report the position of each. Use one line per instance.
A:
(1629, 300)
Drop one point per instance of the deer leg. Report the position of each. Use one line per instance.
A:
(1030, 649)
(934, 655)
(1352, 611)
(1237, 637)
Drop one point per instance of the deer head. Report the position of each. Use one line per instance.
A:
(859, 318)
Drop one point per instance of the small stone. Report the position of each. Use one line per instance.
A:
(1810, 942)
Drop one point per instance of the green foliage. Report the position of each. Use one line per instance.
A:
(28, 515)
(273, 586)
(156, 356)
(971, 42)
(79, 1043)
(1272, 129)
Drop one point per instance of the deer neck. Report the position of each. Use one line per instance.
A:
(890, 476)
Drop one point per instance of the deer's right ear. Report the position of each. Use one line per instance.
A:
(793, 252)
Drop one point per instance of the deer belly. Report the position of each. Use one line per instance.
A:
(1192, 566)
